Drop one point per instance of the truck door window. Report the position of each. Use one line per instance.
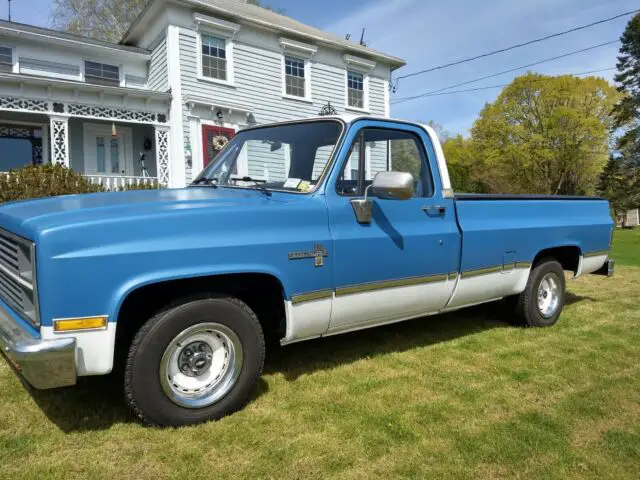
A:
(381, 150)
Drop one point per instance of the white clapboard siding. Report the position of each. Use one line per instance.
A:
(158, 72)
(40, 67)
(258, 86)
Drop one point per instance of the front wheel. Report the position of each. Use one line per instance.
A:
(542, 301)
(194, 362)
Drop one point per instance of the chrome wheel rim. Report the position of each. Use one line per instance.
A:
(549, 295)
(201, 365)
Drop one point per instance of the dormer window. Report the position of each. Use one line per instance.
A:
(6, 59)
(101, 74)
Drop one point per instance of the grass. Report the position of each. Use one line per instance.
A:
(456, 396)
(626, 247)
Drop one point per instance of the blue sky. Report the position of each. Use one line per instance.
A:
(427, 33)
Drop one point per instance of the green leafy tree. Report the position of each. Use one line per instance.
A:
(100, 19)
(462, 157)
(627, 111)
(619, 183)
(546, 135)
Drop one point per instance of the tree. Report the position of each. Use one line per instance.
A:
(442, 133)
(619, 183)
(462, 156)
(627, 111)
(100, 19)
(546, 135)
(105, 20)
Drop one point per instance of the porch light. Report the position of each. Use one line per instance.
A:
(114, 132)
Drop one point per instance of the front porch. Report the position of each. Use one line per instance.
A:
(114, 138)
(112, 154)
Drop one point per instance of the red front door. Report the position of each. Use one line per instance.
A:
(213, 140)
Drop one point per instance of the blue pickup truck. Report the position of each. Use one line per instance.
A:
(295, 231)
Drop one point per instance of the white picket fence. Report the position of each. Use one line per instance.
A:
(115, 182)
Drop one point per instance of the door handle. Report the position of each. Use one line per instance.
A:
(434, 210)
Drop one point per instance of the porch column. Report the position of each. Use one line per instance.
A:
(163, 164)
(59, 132)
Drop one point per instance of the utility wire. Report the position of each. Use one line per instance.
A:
(506, 84)
(426, 94)
(512, 47)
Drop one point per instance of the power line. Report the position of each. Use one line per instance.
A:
(404, 99)
(506, 84)
(512, 47)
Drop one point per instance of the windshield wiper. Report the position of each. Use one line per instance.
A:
(257, 184)
(211, 182)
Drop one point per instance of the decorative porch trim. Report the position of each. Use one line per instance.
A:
(81, 110)
(121, 114)
(13, 103)
(162, 156)
(60, 141)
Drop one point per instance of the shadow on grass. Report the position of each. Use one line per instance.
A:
(329, 352)
(97, 403)
(571, 298)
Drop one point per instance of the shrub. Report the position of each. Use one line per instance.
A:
(39, 181)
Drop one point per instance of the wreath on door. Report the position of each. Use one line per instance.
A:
(219, 142)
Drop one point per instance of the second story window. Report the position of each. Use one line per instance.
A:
(214, 57)
(101, 74)
(6, 59)
(294, 76)
(355, 90)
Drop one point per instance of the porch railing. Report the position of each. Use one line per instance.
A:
(115, 182)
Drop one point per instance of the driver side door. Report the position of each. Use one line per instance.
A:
(404, 263)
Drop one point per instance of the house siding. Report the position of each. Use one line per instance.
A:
(158, 70)
(35, 66)
(258, 87)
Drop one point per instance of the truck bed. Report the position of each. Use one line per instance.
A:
(509, 196)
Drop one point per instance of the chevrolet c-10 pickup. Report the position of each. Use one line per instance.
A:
(294, 231)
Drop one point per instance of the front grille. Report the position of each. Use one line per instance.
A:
(17, 279)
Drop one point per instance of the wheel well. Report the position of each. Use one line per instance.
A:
(568, 257)
(263, 293)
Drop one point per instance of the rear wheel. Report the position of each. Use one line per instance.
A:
(542, 301)
(194, 362)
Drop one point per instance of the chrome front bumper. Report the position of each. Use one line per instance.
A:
(43, 363)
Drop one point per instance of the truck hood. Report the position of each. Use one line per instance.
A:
(32, 218)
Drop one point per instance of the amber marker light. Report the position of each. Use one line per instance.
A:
(79, 324)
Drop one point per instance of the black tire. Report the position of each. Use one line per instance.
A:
(526, 304)
(143, 389)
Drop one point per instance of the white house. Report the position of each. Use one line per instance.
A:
(187, 72)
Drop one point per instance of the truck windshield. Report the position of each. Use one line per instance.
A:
(291, 157)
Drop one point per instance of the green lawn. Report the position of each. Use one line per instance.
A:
(456, 396)
(626, 247)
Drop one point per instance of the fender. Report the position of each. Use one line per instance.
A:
(120, 294)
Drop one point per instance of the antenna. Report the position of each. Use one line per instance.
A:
(9, 9)
(362, 38)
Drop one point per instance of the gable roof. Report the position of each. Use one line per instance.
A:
(261, 17)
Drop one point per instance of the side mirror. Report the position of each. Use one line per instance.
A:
(393, 185)
(386, 185)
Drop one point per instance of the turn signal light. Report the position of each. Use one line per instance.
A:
(73, 324)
